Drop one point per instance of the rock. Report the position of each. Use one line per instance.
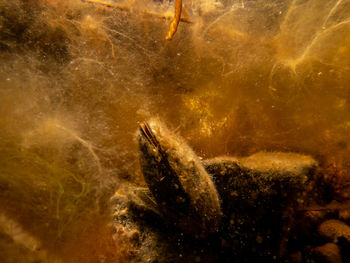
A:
(335, 230)
(296, 257)
(133, 235)
(344, 214)
(263, 173)
(314, 217)
(286, 168)
(328, 253)
(258, 196)
(226, 206)
(144, 236)
(305, 226)
(344, 194)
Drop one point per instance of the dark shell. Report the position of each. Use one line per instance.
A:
(182, 188)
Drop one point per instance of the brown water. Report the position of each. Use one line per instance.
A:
(76, 78)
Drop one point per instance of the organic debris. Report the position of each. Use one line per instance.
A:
(77, 77)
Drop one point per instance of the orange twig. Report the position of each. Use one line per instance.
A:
(174, 24)
(185, 19)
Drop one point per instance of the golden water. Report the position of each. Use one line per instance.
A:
(76, 78)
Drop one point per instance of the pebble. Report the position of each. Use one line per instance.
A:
(344, 215)
(314, 217)
(328, 253)
(345, 194)
(335, 230)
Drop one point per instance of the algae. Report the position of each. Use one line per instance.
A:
(76, 78)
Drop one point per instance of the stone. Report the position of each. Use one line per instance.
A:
(344, 194)
(261, 174)
(145, 236)
(344, 214)
(296, 257)
(335, 231)
(225, 206)
(258, 195)
(328, 253)
(314, 217)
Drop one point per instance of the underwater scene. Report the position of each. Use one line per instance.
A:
(174, 131)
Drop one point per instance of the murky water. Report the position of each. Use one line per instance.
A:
(76, 78)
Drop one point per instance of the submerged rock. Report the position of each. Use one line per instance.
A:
(150, 236)
(258, 195)
(328, 253)
(335, 230)
(261, 174)
(227, 207)
(132, 224)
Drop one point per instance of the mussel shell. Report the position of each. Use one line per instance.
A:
(183, 190)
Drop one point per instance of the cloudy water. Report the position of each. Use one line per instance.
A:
(78, 77)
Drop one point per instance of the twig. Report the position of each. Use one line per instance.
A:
(184, 19)
(174, 24)
(107, 4)
(330, 207)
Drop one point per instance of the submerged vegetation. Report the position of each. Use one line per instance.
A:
(77, 76)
